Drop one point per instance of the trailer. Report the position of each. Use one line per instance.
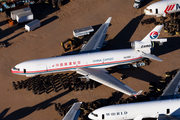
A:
(19, 11)
(82, 31)
(32, 25)
(24, 17)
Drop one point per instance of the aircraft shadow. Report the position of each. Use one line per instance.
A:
(23, 112)
(121, 40)
(3, 113)
(172, 44)
(42, 10)
(138, 73)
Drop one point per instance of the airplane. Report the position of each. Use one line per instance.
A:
(91, 62)
(166, 107)
(162, 8)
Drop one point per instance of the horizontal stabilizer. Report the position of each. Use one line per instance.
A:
(160, 40)
(150, 56)
(72, 113)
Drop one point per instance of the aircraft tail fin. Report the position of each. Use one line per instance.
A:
(153, 34)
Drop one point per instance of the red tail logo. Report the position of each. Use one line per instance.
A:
(169, 8)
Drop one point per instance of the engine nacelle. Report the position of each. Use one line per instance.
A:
(138, 45)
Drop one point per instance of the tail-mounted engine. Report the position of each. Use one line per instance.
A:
(138, 45)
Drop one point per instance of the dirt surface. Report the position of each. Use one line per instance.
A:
(57, 26)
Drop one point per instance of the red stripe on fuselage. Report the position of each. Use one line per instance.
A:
(73, 66)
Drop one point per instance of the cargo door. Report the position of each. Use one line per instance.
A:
(42, 68)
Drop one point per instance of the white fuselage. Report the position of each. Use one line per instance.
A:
(162, 8)
(103, 59)
(150, 109)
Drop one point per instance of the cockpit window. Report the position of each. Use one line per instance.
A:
(14, 68)
(96, 115)
(150, 10)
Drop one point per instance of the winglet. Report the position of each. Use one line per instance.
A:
(108, 20)
(138, 93)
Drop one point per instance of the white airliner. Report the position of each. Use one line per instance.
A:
(162, 8)
(161, 109)
(91, 62)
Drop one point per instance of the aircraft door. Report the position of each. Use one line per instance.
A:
(156, 11)
(103, 117)
(42, 68)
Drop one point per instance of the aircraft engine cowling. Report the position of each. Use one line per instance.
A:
(138, 45)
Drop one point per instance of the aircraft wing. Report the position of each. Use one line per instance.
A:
(74, 112)
(171, 91)
(167, 117)
(96, 41)
(102, 76)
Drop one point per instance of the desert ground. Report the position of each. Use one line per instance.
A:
(56, 26)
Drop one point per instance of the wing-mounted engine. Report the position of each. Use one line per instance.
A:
(141, 46)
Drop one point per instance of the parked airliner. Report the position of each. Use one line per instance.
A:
(162, 8)
(164, 108)
(91, 62)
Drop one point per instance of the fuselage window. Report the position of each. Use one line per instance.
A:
(107, 114)
(113, 113)
(24, 70)
(103, 116)
(118, 113)
(168, 111)
(156, 11)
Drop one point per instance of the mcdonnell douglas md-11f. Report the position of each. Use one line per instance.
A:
(162, 8)
(91, 62)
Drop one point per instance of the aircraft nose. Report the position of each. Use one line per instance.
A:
(144, 11)
(90, 116)
(12, 71)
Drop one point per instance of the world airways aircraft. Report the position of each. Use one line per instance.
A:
(91, 62)
(162, 8)
(166, 107)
